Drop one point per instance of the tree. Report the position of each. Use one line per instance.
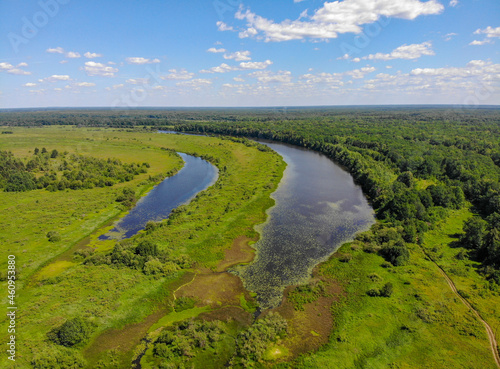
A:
(54, 154)
(72, 332)
(474, 232)
(407, 179)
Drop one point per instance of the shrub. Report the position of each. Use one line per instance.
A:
(53, 236)
(71, 333)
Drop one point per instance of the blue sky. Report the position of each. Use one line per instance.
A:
(131, 53)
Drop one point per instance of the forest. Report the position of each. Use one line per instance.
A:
(432, 175)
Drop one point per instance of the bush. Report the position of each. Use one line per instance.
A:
(53, 236)
(387, 290)
(72, 332)
(397, 254)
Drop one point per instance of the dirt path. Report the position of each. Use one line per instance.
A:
(489, 331)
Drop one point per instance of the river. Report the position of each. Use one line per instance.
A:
(318, 208)
(195, 176)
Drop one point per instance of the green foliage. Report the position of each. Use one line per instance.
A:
(395, 253)
(146, 248)
(58, 358)
(184, 340)
(60, 172)
(53, 236)
(252, 343)
(184, 303)
(71, 332)
(305, 294)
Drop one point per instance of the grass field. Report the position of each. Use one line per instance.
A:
(114, 299)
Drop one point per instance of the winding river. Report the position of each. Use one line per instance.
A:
(318, 208)
(195, 176)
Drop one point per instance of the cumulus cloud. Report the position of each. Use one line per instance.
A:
(256, 65)
(56, 78)
(223, 26)
(488, 31)
(73, 54)
(453, 3)
(29, 84)
(9, 68)
(408, 52)
(90, 55)
(175, 74)
(138, 81)
(480, 43)
(84, 84)
(477, 75)
(267, 76)
(223, 68)
(333, 18)
(99, 69)
(196, 84)
(214, 50)
(239, 55)
(140, 60)
(55, 50)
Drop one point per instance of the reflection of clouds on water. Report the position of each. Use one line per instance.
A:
(312, 217)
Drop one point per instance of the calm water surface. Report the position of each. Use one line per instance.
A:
(196, 176)
(318, 208)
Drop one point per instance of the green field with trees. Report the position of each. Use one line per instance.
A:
(431, 174)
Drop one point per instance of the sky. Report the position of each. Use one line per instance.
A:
(170, 53)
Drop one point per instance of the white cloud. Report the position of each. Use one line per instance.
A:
(488, 31)
(333, 18)
(63, 62)
(223, 68)
(99, 69)
(223, 26)
(239, 55)
(359, 73)
(267, 76)
(255, 65)
(408, 52)
(140, 60)
(181, 74)
(138, 81)
(477, 81)
(18, 72)
(73, 54)
(453, 3)
(56, 78)
(449, 36)
(238, 79)
(29, 84)
(344, 57)
(479, 43)
(55, 50)
(214, 50)
(90, 55)
(9, 68)
(84, 84)
(195, 83)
